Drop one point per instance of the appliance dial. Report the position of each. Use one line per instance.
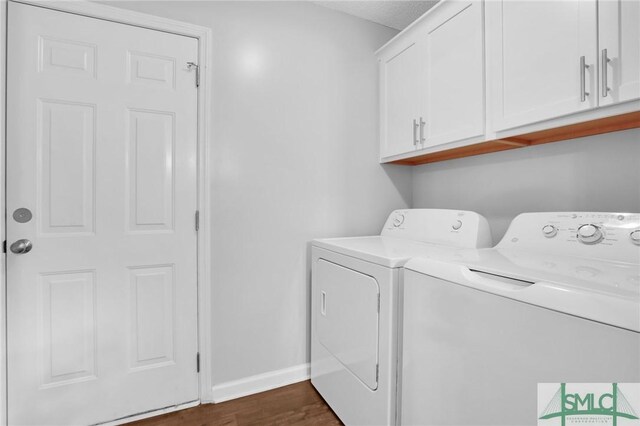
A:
(635, 237)
(590, 234)
(398, 220)
(549, 231)
(456, 225)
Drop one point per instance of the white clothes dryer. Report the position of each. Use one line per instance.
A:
(354, 306)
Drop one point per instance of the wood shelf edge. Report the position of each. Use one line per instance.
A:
(599, 126)
(519, 142)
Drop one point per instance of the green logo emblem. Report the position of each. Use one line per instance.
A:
(609, 404)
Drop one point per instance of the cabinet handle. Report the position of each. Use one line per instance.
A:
(422, 123)
(605, 80)
(415, 131)
(583, 87)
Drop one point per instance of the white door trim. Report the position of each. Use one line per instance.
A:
(3, 231)
(204, 36)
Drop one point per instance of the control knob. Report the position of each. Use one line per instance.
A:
(590, 234)
(635, 237)
(456, 225)
(549, 231)
(398, 220)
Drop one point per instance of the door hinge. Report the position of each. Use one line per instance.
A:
(197, 362)
(193, 65)
(4, 246)
(197, 220)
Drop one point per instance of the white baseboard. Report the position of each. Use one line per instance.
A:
(260, 383)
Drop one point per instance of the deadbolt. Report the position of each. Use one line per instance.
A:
(22, 215)
(21, 247)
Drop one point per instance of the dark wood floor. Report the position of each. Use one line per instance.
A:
(297, 404)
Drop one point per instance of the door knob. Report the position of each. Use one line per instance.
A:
(21, 247)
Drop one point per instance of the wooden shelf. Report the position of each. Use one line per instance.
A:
(589, 128)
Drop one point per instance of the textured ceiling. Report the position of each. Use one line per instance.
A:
(391, 13)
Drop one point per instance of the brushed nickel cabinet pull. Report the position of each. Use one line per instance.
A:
(583, 88)
(605, 80)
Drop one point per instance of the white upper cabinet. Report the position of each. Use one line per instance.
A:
(400, 76)
(432, 80)
(453, 101)
(619, 43)
(542, 59)
(501, 74)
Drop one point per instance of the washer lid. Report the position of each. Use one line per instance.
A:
(603, 291)
(390, 252)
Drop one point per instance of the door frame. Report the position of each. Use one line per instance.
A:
(204, 138)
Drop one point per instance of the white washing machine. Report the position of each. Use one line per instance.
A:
(556, 301)
(354, 297)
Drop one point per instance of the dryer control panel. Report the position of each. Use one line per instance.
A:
(454, 228)
(610, 236)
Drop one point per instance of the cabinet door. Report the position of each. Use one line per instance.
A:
(454, 97)
(619, 36)
(535, 49)
(400, 103)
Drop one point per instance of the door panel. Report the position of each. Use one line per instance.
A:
(152, 319)
(66, 144)
(101, 147)
(535, 49)
(454, 95)
(145, 69)
(619, 34)
(150, 170)
(401, 77)
(66, 57)
(68, 322)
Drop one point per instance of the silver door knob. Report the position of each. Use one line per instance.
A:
(21, 247)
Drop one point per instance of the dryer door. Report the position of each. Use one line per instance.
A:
(347, 321)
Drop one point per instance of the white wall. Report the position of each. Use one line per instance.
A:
(295, 151)
(597, 173)
(295, 157)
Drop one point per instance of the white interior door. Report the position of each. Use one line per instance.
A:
(101, 148)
